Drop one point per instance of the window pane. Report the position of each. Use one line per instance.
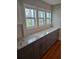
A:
(41, 21)
(30, 22)
(30, 12)
(41, 14)
(30, 15)
(48, 15)
(48, 21)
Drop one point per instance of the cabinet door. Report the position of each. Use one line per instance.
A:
(52, 37)
(29, 52)
(43, 46)
(26, 52)
(36, 49)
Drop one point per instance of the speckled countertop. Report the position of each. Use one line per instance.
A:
(28, 40)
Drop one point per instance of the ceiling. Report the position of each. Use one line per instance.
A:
(52, 2)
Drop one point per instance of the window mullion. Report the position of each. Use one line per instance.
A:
(37, 19)
(45, 18)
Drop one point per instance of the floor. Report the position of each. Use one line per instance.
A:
(54, 52)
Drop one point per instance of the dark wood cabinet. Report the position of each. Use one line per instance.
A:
(36, 49)
(29, 52)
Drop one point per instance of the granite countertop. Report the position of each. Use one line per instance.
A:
(28, 40)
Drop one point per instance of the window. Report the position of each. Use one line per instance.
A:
(35, 18)
(48, 17)
(30, 15)
(41, 17)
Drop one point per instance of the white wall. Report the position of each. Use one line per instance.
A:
(56, 15)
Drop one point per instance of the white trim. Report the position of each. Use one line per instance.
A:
(29, 6)
(35, 7)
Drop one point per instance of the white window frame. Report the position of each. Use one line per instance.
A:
(30, 7)
(48, 18)
(41, 18)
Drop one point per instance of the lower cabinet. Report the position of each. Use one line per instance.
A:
(36, 49)
(29, 52)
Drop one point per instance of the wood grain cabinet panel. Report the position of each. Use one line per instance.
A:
(30, 52)
(36, 49)
(26, 52)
